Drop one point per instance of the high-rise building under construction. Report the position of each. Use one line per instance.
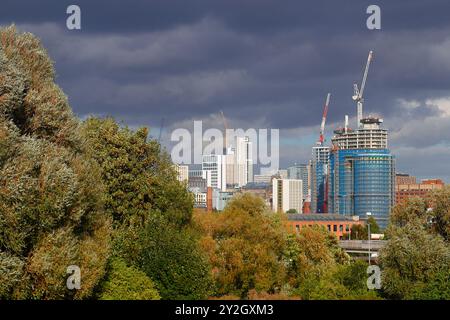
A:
(319, 172)
(362, 172)
(319, 168)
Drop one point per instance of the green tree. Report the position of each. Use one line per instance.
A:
(354, 276)
(139, 176)
(437, 287)
(374, 227)
(311, 254)
(413, 210)
(245, 246)
(124, 282)
(413, 261)
(150, 207)
(440, 213)
(171, 257)
(337, 282)
(361, 231)
(51, 201)
(433, 213)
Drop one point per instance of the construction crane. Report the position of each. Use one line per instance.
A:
(358, 93)
(324, 119)
(320, 144)
(225, 125)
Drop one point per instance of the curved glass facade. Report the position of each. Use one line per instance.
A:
(361, 181)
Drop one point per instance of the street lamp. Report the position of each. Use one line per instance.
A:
(368, 214)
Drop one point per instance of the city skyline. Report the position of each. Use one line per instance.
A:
(202, 153)
(269, 67)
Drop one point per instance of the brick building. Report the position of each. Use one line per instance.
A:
(335, 223)
(421, 190)
(404, 178)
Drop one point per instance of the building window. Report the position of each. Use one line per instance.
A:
(297, 227)
(329, 227)
(347, 228)
(341, 228)
(335, 227)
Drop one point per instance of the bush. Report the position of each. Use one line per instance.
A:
(126, 283)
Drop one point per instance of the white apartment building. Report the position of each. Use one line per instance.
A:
(200, 196)
(243, 169)
(182, 172)
(230, 160)
(216, 164)
(287, 194)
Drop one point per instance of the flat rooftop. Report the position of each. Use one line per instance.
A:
(321, 217)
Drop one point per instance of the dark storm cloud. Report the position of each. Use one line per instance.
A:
(262, 62)
(256, 16)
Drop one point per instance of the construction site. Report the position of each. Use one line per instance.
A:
(355, 175)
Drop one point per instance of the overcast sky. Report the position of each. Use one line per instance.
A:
(266, 64)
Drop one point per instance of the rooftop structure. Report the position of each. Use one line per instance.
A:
(370, 136)
(321, 217)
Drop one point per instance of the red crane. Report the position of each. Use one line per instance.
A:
(324, 119)
(320, 143)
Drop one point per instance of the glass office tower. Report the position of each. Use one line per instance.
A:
(362, 173)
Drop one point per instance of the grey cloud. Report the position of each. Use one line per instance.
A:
(265, 63)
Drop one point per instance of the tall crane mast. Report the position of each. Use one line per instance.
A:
(358, 93)
(324, 119)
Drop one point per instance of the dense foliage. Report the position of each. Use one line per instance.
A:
(105, 198)
(320, 269)
(138, 175)
(51, 209)
(245, 247)
(416, 261)
(172, 258)
(150, 208)
(126, 283)
(253, 256)
(361, 231)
